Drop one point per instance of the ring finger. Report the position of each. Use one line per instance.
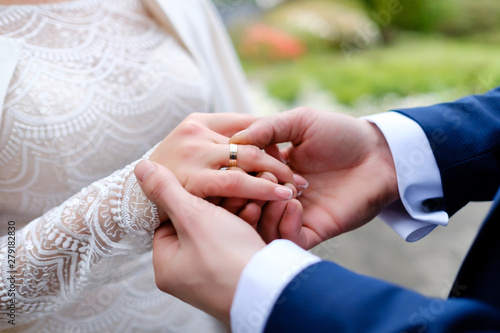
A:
(252, 159)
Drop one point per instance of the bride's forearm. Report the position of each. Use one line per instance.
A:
(75, 245)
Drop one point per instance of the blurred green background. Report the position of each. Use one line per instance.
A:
(366, 56)
(362, 56)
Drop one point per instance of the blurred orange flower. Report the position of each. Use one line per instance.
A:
(265, 42)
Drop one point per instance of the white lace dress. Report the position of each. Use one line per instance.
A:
(97, 85)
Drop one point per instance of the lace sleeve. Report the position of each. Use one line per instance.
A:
(73, 246)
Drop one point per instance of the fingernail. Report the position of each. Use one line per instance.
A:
(283, 192)
(300, 181)
(143, 169)
(239, 133)
(299, 193)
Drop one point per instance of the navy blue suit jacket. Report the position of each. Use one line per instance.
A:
(465, 138)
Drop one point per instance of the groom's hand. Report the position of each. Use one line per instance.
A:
(348, 165)
(200, 255)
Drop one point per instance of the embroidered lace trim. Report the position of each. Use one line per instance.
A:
(97, 85)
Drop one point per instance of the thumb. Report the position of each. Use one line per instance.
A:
(163, 188)
(284, 127)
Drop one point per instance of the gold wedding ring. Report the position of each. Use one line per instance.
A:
(233, 154)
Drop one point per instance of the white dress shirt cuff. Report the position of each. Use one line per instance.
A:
(418, 177)
(262, 281)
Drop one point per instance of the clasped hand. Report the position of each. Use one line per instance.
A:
(198, 148)
(200, 255)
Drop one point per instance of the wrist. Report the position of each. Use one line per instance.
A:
(388, 184)
(266, 275)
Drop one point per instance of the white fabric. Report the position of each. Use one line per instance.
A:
(87, 87)
(198, 26)
(272, 268)
(9, 55)
(262, 281)
(417, 173)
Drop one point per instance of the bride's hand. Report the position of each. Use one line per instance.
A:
(197, 149)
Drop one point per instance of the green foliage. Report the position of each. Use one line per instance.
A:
(414, 15)
(465, 17)
(452, 17)
(414, 65)
(285, 87)
(321, 24)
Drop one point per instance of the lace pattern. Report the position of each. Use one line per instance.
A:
(97, 85)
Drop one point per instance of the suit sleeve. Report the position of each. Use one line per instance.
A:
(465, 138)
(325, 297)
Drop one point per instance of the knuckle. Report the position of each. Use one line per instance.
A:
(190, 127)
(279, 122)
(252, 152)
(158, 190)
(260, 132)
(209, 189)
(265, 135)
(201, 185)
(188, 150)
(233, 181)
